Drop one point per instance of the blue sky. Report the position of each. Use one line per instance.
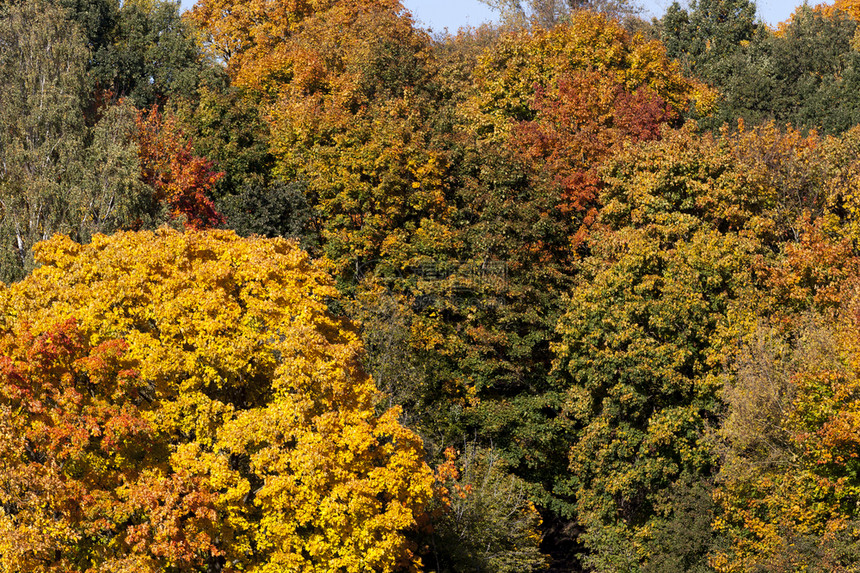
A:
(439, 14)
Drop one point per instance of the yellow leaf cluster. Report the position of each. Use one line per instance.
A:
(507, 76)
(254, 382)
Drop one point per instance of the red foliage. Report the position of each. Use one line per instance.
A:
(579, 124)
(180, 178)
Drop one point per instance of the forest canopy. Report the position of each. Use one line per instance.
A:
(302, 286)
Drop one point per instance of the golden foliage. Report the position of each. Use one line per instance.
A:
(254, 385)
(507, 75)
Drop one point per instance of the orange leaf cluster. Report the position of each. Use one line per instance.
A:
(181, 180)
(234, 423)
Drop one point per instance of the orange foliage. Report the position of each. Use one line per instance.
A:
(239, 427)
(181, 179)
(587, 117)
(850, 7)
(303, 46)
(81, 484)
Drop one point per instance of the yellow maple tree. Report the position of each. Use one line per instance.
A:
(255, 389)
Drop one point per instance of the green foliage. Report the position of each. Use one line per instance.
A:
(805, 74)
(489, 524)
(682, 541)
(278, 210)
(685, 225)
(645, 330)
(411, 374)
(638, 347)
(59, 174)
(96, 19)
(816, 73)
(227, 126)
(707, 36)
(118, 198)
(152, 55)
(535, 124)
(43, 79)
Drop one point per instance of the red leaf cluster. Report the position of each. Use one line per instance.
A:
(181, 179)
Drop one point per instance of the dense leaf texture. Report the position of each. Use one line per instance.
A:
(181, 180)
(805, 73)
(85, 485)
(643, 326)
(547, 108)
(253, 390)
(788, 484)
(350, 100)
(684, 223)
(151, 55)
(58, 174)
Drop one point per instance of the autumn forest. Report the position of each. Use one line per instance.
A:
(299, 286)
